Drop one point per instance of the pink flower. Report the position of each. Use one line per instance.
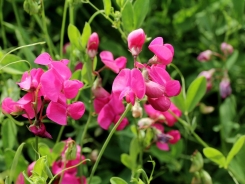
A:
(205, 56)
(11, 107)
(136, 39)
(165, 117)
(163, 139)
(208, 75)
(129, 84)
(159, 87)
(39, 130)
(226, 48)
(115, 65)
(93, 44)
(58, 112)
(79, 66)
(108, 114)
(225, 87)
(163, 52)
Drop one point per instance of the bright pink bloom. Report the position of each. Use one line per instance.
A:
(71, 88)
(163, 52)
(159, 87)
(205, 56)
(136, 39)
(129, 84)
(93, 44)
(163, 139)
(225, 87)
(40, 130)
(11, 107)
(58, 112)
(165, 117)
(115, 65)
(226, 48)
(108, 114)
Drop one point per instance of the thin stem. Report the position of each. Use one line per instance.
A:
(60, 133)
(71, 13)
(3, 31)
(107, 141)
(45, 30)
(36, 147)
(199, 139)
(63, 29)
(182, 79)
(233, 177)
(62, 174)
(94, 15)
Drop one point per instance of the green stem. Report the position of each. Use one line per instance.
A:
(107, 141)
(63, 29)
(45, 30)
(60, 133)
(71, 13)
(36, 147)
(3, 32)
(233, 177)
(94, 15)
(199, 139)
(182, 79)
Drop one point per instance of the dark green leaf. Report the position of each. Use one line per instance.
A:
(107, 6)
(195, 93)
(8, 132)
(74, 35)
(56, 151)
(179, 101)
(126, 160)
(140, 11)
(128, 17)
(231, 60)
(238, 7)
(85, 35)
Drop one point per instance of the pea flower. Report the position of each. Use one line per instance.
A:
(226, 48)
(163, 52)
(136, 39)
(225, 87)
(129, 84)
(93, 44)
(115, 65)
(205, 56)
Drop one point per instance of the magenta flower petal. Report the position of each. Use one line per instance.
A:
(43, 59)
(163, 53)
(121, 62)
(170, 47)
(108, 60)
(173, 88)
(175, 134)
(76, 110)
(71, 88)
(51, 86)
(157, 41)
(161, 104)
(61, 70)
(123, 123)
(11, 107)
(40, 131)
(57, 113)
(36, 76)
(136, 39)
(159, 75)
(99, 103)
(122, 80)
(106, 117)
(25, 81)
(154, 90)
(137, 83)
(162, 146)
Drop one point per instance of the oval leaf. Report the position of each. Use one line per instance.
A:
(140, 11)
(85, 35)
(9, 132)
(179, 101)
(126, 160)
(195, 93)
(117, 180)
(231, 60)
(235, 149)
(128, 17)
(74, 35)
(215, 156)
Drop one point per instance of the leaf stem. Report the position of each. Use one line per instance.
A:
(63, 28)
(60, 133)
(107, 141)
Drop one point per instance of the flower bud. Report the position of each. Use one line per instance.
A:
(206, 109)
(31, 6)
(136, 39)
(137, 110)
(93, 44)
(197, 162)
(204, 56)
(205, 177)
(226, 48)
(39, 130)
(224, 87)
(71, 151)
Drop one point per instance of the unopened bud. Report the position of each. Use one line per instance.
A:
(94, 155)
(31, 6)
(226, 48)
(206, 109)
(205, 56)
(71, 151)
(197, 162)
(137, 110)
(225, 87)
(206, 179)
(136, 39)
(93, 44)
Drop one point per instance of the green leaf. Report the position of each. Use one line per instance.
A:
(179, 101)
(134, 149)
(85, 35)
(215, 156)
(107, 6)
(95, 180)
(76, 75)
(87, 77)
(56, 151)
(10, 89)
(74, 35)
(39, 169)
(140, 11)
(128, 17)
(235, 149)
(238, 7)
(195, 93)
(117, 180)
(232, 59)
(8, 132)
(15, 162)
(126, 160)
(44, 150)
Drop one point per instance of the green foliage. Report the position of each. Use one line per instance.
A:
(9, 132)
(116, 180)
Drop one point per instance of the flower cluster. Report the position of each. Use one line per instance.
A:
(224, 85)
(148, 81)
(49, 89)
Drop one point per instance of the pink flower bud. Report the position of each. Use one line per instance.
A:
(225, 88)
(136, 39)
(79, 66)
(204, 56)
(137, 110)
(226, 48)
(11, 107)
(40, 130)
(93, 44)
